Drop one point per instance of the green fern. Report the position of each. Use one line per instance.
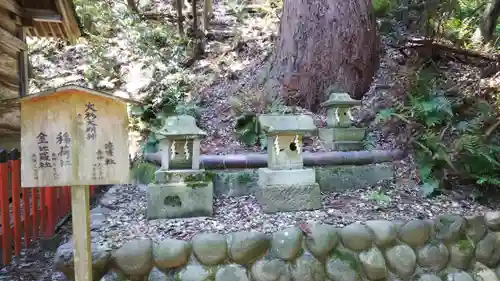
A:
(450, 138)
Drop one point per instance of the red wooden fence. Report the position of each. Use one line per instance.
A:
(28, 213)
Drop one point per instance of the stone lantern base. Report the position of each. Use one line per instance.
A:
(342, 139)
(288, 190)
(180, 194)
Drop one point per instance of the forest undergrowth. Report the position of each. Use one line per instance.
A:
(441, 105)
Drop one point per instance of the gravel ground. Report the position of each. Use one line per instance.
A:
(127, 219)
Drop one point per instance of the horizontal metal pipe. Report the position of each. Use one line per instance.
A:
(259, 160)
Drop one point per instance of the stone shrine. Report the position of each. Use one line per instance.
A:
(181, 188)
(285, 185)
(340, 135)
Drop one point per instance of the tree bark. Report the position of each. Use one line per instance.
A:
(132, 6)
(489, 20)
(324, 43)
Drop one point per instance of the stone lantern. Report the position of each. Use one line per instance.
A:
(181, 188)
(340, 134)
(285, 185)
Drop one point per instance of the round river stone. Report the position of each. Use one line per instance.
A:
(135, 257)
(269, 270)
(210, 248)
(415, 233)
(374, 264)
(384, 232)
(322, 239)
(232, 272)
(287, 244)
(356, 237)
(434, 256)
(171, 253)
(402, 260)
(247, 247)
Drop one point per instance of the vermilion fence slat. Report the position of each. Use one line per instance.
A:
(26, 217)
(16, 199)
(67, 199)
(43, 212)
(4, 208)
(51, 211)
(35, 213)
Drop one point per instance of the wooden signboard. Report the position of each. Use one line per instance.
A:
(76, 137)
(73, 136)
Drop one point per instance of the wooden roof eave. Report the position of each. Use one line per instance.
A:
(64, 21)
(77, 88)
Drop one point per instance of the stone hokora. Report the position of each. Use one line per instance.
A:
(285, 185)
(181, 188)
(340, 133)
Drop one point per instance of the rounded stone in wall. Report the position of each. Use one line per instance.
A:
(459, 276)
(476, 228)
(135, 257)
(356, 237)
(232, 272)
(433, 256)
(384, 232)
(171, 253)
(270, 270)
(307, 268)
(114, 275)
(402, 260)
(373, 264)
(210, 248)
(428, 277)
(449, 227)
(157, 275)
(481, 272)
(485, 249)
(193, 273)
(492, 220)
(461, 253)
(322, 239)
(415, 233)
(432, 227)
(287, 244)
(247, 247)
(343, 265)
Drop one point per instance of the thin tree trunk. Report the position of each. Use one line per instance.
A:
(180, 16)
(489, 20)
(324, 43)
(132, 6)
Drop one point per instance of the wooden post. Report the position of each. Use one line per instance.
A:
(80, 204)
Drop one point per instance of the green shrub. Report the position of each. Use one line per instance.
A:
(383, 7)
(453, 136)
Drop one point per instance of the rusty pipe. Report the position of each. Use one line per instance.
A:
(259, 160)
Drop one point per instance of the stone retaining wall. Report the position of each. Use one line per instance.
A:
(242, 182)
(446, 248)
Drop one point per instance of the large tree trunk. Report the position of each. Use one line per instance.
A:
(324, 43)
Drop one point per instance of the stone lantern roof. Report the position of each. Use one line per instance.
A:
(181, 127)
(287, 124)
(340, 100)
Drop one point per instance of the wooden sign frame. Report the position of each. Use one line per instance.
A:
(82, 139)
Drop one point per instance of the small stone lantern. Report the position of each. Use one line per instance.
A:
(180, 143)
(285, 185)
(181, 188)
(340, 133)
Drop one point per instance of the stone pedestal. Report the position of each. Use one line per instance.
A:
(342, 139)
(288, 190)
(180, 194)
